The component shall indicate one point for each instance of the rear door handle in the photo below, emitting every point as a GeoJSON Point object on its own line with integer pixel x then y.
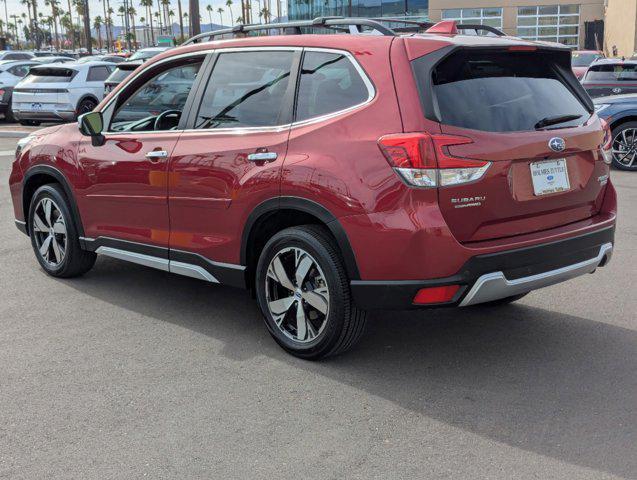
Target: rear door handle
{"type": "Point", "coordinates": [263, 157]}
{"type": "Point", "coordinates": [156, 155]}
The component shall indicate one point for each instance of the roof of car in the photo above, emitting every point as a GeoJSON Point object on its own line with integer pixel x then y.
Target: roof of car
{"type": "Point", "coordinates": [76, 66]}
{"type": "Point", "coordinates": [354, 42]}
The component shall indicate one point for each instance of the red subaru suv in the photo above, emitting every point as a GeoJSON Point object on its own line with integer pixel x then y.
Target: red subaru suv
{"type": "Point", "coordinates": [333, 174]}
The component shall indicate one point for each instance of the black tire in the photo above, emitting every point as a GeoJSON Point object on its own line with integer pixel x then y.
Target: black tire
{"type": "Point", "coordinates": [30, 123]}
{"type": "Point", "coordinates": [85, 106]}
{"type": "Point", "coordinates": [617, 131]}
{"type": "Point", "coordinates": [8, 115]}
{"type": "Point", "coordinates": [343, 324]}
{"type": "Point", "coordinates": [503, 301]}
{"type": "Point", "coordinates": [75, 260]}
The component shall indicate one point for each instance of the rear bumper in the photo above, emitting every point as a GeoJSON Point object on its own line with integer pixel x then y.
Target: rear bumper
{"type": "Point", "coordinates": [484, 278]}
{"type": "Point", "coordinates": [46, 115]}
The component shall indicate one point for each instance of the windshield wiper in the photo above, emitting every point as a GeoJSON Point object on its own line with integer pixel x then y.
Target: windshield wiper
{"type": "Point", "coordinates": [547, 121]}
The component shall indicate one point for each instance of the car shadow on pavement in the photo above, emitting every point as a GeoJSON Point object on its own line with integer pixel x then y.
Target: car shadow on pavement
{"type": "Point", "coordinates": [546, 382]}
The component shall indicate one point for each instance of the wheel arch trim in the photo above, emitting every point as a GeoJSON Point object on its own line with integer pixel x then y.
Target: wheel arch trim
{"type": "Point", "coordinates": [306, 206]}
{"type": "Point", "coordinates": [66, 186]}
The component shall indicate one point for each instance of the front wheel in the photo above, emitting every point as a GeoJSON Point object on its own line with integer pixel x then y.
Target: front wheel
{"type": "Point", "coordinates": [54, 235]}
{"type": "Point", "coordinates": [624, 147]}
{"type": "Point", "coordinates": [303, 292]}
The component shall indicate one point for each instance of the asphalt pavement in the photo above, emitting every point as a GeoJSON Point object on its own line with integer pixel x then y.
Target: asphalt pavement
{"type": "Point", "coordinates": [130, 372]}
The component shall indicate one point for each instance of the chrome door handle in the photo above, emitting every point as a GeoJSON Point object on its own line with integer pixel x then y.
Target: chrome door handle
{"type": "Point", "coordinates": [156, 155]}
{"type": "Point", "coordinates": [263, 157]}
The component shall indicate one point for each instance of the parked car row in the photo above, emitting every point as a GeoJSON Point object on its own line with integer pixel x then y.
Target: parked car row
{"type": "Point", "coordinates": [54, 88]}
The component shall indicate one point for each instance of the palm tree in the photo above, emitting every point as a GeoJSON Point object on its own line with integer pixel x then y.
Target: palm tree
{"type": "Point", "coordinates": [97, 25]}
{"type": "Point", "coordinates": [181, 21]}
{"type": "Point", "coordinates": [148, 5]}
{"type": "Point", "coordinates": [229, 5]}
{"type": "Point", "coordinates": [158, 15]}
{"type": "Point", "coordinates": [1, 27]}
{"type": "Point", "coordinates": [209, 9]}
{"type": "Point", "coordinates": [132, 12]}
{"type": "Point", "coordinates": [171, 16]}
{"type": "Point", "coordinates": [265, 13]}
{"type": "Point", "coordinates": [220, 12]}
{"type": "Point", "coordinates": [165, 4]}
{"type": "Point", "coordinates": [239, 19]}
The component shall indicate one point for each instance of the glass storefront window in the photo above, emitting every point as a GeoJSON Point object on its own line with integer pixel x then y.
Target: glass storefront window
{"type": "Point", "coordinates": [482, 16]}
{"type": "Point", "coordinates": [309, 9]}
{"type": "Point", "coordinates": [548, 18]}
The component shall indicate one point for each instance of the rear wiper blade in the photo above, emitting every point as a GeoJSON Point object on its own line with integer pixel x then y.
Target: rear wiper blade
{"type": "Point", "coordinates": [545, 122]}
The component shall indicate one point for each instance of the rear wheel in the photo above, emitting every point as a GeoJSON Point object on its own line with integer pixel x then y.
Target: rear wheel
{"type": "Point", "coordinates": [303, 293]}
{"type": "Point", "coordinates": [8, 115]}
{"type": "Point", "coordinates": [54, 235]}
{"type": "Point", "coordinates": [30, 123]}
{"type": "Point", "coordinates": [624, 146]}
{"type": "Point", "coordinates": [86, 105]}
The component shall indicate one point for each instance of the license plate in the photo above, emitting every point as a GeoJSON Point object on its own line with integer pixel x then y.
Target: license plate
{"type": "Point", "coordinates": [550, 176]}
{"type": "Point", "coordinates": [36, 106]}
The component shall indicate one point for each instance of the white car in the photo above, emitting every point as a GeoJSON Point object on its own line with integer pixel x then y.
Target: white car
{"type": "Point", "coordinates": [11, 72]}
{"type": "Point", "coordinates": [59, 92]}
{"type": "Point", "coordinates": [15, 55]}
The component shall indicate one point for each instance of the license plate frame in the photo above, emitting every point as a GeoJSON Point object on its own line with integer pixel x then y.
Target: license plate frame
{"type": "Point", "coordinates": [36, 106]}
{"type": "Point", "coordinates": [550, 176]}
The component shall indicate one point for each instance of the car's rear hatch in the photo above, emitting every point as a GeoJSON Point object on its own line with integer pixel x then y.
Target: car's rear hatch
{"type": "Point", "coordinates": [495, 101]}
{"type": "Point", "coordinates": [43, 88]}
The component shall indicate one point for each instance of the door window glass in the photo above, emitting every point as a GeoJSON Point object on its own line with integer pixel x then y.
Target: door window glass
{"type": "Point", "coordinates": [98, 74]}
{"type": "Point", "coordinates": [166, 91]}
{"type": "Point", "coordinates": [246, 89]}
{"type": "Point", "coordinates": [329, 83]}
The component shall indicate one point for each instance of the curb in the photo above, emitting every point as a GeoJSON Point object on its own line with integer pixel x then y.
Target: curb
{"type": "Point", "coordinates": [16, 134]}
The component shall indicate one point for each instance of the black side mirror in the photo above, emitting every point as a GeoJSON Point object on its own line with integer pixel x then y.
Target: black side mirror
{"type": "Point", "coordinates": [91, 125]}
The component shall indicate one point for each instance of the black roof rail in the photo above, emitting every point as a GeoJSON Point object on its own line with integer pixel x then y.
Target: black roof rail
{"type": "Point", "coordinates": [348, 25]}
{"type": "Point", "coordinates": [420, 26]}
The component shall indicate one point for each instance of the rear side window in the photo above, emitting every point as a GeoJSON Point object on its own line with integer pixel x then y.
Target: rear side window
{"type": "Point", "coordinates": [499, 92]}
{"type": "Point", "coordinates": [614, 72]}
{"type": "Point", "coordinates": [329, 83]}
{"type": "Point", "coordinates": [98, 74]}
{"type": "Point", "coordinates": [246, 89]}
{"type": "Point", "coordinates": [49, 75]}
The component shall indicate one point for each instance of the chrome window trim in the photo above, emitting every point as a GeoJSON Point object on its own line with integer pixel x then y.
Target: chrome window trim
{"type": "Point", "coordinates": [371, 92]}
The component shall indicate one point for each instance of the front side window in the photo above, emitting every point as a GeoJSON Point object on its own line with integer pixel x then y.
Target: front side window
{"type": "Point", "coordinates": [246, 89]}
{"type": "Point", "coordinates": [329, 83]}
{"type": "Point", "coordinates": [164, 94]}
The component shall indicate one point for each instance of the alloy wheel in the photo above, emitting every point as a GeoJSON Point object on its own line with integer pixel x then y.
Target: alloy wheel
{"type": "Point", "coordinates": [297, 294]}
{"type": "Point", "coordinates": [625, 147]}
{"type": "Point", "coordinates": [49, 228]}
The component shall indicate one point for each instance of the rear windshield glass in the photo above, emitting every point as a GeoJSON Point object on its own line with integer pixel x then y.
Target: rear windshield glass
{"type": "Point", "coordinates": [584, 59]}
{"type": "Point", "coordinates": [614, 72]}
{"type": "Point", "coordinates": [118, 75]}
{"type": "Point", "coordinates": [499, 92]}
{"type": "Point", "coordinates": [49, 75]}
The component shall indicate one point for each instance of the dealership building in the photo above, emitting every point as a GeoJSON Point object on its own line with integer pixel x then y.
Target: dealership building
{"type": "Point", "coordinates": [578, 24]}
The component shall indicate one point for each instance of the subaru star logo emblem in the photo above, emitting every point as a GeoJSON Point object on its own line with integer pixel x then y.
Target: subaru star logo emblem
{"type": "Point", "coordinates": [557, 144]}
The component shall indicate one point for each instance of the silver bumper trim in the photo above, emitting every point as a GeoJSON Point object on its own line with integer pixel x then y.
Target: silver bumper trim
{"type": "Point", "coordinates": [494, 286]}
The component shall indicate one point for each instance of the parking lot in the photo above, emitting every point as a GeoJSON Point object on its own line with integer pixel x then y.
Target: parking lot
{"type": "Point", "coordinates": [130, 372]}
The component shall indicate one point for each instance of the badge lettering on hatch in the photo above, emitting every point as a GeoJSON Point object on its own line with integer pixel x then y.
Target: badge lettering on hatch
{"type": "Point", "coordinates": [465, 202]}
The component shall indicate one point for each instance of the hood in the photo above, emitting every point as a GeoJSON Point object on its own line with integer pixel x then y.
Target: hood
{"type": "Point", "coordinates": [627, 98]}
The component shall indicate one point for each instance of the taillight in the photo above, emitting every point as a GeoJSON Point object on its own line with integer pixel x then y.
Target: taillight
{"type": "Point", "coordinates": [607, 143]}
{"type": "Point", "coordinates": [423, 160]}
